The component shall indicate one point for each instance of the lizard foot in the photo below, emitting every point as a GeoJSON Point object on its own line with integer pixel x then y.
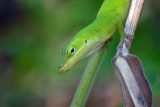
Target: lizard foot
{"type": "Point", "coordinates": [124, 40]}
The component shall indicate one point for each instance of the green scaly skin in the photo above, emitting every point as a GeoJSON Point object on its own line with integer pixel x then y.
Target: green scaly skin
{"type": "Point", "coordinates": [92, 37]}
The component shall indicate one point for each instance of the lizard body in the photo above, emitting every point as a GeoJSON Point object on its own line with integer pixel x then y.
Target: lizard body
{"type": "Point", "coordinates": [92, 37]}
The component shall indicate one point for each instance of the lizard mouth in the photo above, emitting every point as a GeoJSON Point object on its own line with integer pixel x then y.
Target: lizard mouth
{"type": "Point", "coordinates": [63, 70]}
{"type": "Point", "coordinates": [65, 67]}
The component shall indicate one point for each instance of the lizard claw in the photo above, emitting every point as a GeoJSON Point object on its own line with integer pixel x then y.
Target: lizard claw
{"type": "Point", "coordinates": [123, 40]}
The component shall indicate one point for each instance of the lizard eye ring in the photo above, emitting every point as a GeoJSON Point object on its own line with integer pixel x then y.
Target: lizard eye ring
{"type": "Point", "coordinates": [72, 50]}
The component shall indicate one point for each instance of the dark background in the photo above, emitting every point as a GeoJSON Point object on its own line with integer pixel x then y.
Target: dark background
{"type": "Point", "coordinates": [32, 35]}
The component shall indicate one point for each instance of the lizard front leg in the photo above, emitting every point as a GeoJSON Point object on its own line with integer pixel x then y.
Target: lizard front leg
{"type": "Point", "coordinates": [122, 35]}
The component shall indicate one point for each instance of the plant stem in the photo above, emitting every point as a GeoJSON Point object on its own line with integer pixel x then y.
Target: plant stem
{"type": "Point", "coordinates": [88, 78]}
{"type": "Point", "coordinates": [134, 86]}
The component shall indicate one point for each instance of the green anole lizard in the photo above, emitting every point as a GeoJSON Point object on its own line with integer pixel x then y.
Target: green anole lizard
{"type": "Point", "coordinates": [92, 37]}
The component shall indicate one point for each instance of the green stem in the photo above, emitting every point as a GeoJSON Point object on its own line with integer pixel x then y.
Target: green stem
{"type": "Point", "coordinates": [87, 79]}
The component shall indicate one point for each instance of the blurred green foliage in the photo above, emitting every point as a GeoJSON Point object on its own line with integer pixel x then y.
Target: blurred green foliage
{"type": "Point", "coordinates": [32, 35]}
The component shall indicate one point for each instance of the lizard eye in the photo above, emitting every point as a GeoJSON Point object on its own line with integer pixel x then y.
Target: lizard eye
{"type": "Point", "coordinates": [72, 50]}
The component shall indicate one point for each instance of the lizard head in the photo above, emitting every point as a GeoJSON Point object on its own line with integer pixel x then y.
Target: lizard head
{"type": "Point", "coordinates": [82, 45]}
{"type": "Point", "coordinates": [76, 50]}
{"type": "Point", "coordinates": [71, 54]}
